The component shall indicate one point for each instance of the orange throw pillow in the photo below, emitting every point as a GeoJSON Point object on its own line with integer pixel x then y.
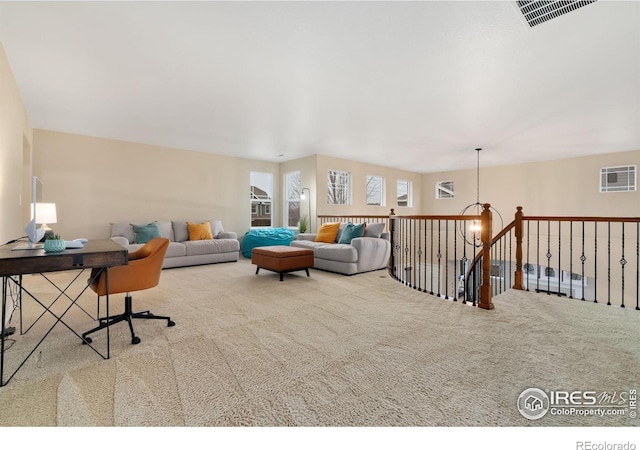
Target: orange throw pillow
{"type": "Point", "coordinates": [328, 233]}
{"type": "Point", "coordinates": [199, 231]}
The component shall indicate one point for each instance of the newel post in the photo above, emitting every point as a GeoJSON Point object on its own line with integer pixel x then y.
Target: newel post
{"type": "Point", "coordinates": [518, 232]}
{"type": "Point", "coordinates": [485, 235]}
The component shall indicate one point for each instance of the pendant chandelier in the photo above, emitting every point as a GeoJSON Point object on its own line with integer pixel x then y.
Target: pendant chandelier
{"type": "Point", "coordinates": [470, 230]}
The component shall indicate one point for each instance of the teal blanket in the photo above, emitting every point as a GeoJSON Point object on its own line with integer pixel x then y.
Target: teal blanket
{"type": "Point", "coordinates": [262, 237]}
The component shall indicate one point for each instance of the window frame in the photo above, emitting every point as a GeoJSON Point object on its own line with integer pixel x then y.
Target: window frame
{"type": "Point", "coordinates": [440, 188]}
{"type": "Point", "coordinates": [345, 186]}
{"type": "Point", "coordinates": [382, 190]}
{"type": "Point", "coordinates": [409, 193]}
{"type": "Point", "coordinates": [292, 195]}
{"type": "Point", "coordinates": [255, 201]}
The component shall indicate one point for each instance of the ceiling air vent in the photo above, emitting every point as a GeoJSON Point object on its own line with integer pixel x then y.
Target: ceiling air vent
{"type": "Point", "coordinates": [539, 11]}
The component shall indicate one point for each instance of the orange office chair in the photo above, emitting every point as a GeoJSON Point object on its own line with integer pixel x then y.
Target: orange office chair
{"type": "Point", "coordinates": [142, 272]}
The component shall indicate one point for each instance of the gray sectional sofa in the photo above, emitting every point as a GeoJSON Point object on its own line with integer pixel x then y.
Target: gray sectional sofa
{"type": "Point", "coordinates": [224, 247]}
{"type": "Point", "coordinates": [363, 254]}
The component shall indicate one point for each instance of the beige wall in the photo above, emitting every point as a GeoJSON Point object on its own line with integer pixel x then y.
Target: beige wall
{"type": "Point", "coordinates": [96, 181]}
{"type": "Point", "coordinates": [15, 156]}
{"type": "Point", "coordinates": [568, 187]}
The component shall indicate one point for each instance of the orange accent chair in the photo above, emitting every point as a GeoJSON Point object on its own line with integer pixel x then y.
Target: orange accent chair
{"type": "Point", "coordinates": [142, 272]}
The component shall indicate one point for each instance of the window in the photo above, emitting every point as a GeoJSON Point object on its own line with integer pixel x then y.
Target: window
{"type": "Point", "coordinates": [618, 179]}
{"type": "Point", "coordinates": [404, 193]}
{"type": "Point", "coordinates": [338, 187]}
{"type": "Point", "coordinates": [292, 198]}
{"type": "Point", "coordinates": [444, 189]}
{"type": "Point", "coordinates": [375, 190]}
{"type": "Point", "coordinates": [261, 190]}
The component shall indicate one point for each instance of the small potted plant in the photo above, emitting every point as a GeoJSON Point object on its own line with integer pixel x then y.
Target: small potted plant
{"type": "Point", "coordinates": [304, 224]}
{"type": "Point", "coordinates": [55, 244]}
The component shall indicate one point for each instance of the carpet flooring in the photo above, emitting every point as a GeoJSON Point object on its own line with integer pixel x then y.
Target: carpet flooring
{"type": "Point", "coordinates": [326, 350]}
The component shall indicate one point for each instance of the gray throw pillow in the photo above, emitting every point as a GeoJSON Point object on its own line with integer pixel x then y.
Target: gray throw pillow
{"type": "Point", "coordinates": [374, 229]}
{"type": "Point", "coordinates": [216, 227]}
{"type": "Point", "coordinates": [340, 230]}
{"type": "Point", "coordinates": [180, 232]}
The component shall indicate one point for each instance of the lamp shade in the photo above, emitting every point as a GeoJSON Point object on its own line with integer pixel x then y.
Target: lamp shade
{"type": "Point", "coordinates": [45, 213]}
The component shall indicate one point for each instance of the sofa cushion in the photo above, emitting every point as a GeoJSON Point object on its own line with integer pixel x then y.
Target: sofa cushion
{"type": "Point", "coordinates": [374, 229]}
{"type": "Point", "coordinates": [328, 232]}
{"type": "Point", "coordinates": [309, 244]}
{"type": "Point", "coordinates": [176, 249]}
{"type": "Point", "coordinates": [144, 233]}
{"type": "Point", "coordinates": [337, 252]}
{"type": "Point", "coordinates": [351, 231]}
{"type": "Point", "coordinates": [209, 246]}
{"type": "Point", "coordinates": [199, 231]}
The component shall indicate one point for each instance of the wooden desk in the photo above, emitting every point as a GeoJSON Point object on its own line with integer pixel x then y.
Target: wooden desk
{"type": "Point", "coordinates": [100, 254]}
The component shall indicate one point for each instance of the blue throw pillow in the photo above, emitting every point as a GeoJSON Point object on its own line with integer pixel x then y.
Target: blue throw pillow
{"type": "Point", "coordinates": [144, 233]}
{"type": "Point", "coordinates": [351, 231]}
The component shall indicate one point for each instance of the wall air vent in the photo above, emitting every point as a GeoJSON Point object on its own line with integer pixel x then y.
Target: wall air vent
{"type": "Point", "coordinates": [540, 11]}
{"type": "Point", "coordinates": [618, 179]}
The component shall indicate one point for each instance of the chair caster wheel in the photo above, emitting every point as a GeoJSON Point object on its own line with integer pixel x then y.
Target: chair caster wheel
{"type": "Point", "coordinates": [86, 341]}
{"type": "Point", "coordinates": [135, 340]}
{"type": "Point", "coordinates": [170, 323]}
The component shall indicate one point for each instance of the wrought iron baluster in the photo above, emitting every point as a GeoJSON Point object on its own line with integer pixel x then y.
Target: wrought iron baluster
{"type": "Point", "coordinates": [623, 263]}
{"type": "Point", "coordinates": [608, 263]}
{"type": "Point", "coordinates": [595, 262]}
{"type": "Point", "coordinates": [528, 249]}
{"type": "Point", "coordinates": [638, 266]}
{"type": "Point", "coordinates": [538, 256]}
{"type": "Point", "coordinates": [571, 259]}
{"type": "Point", "coordinates": [419, 263]}
{"type": "Point", "coordinates": [465, 273]}
{"type": "Point", "coordinates": [549, 255]}
{"type": "Point", "coordinates": [446, 259]}
{"type": "Point", "coordinates": [559, 257]}
{"type": "Point", "coordinates": [510, 272]}
{"type": "Point", "coordinates": [583, 258]}
{"type": "Point", "coordinates": [425, 255]}
{"type": "Point", "coordinates": [456, 276]}
{"type": "Point", "coordinates": [439, 256]}
{"type": "Point", "coordinates": [432, 259]}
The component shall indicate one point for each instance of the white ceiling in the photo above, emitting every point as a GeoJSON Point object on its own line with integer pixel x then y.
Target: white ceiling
{"type": "Point", "coordinates": [411, 85]}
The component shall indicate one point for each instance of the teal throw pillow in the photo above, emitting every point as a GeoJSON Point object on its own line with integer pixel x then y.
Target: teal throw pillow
{"type": "Point", "coordinates": [351, 231]}
{"type": "Point", "coordinates": [144, 233]}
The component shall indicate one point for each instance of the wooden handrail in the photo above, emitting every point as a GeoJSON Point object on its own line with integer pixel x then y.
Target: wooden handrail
{"type": "Point", "coordinates": [581, 218]}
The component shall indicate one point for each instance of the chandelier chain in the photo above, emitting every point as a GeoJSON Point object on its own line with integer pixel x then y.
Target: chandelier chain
{"type": "Point", "coordinates": [478, 176]}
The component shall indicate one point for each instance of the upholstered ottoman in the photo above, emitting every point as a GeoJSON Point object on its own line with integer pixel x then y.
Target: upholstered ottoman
{"type": "Point", "coordinates": [282, 259]}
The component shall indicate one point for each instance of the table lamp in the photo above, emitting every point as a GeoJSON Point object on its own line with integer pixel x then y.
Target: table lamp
{"type": "Point", "coordinates": [46, 214]}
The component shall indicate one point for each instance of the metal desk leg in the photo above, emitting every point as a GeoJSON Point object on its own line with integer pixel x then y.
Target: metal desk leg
{"type": "Point", "coordinates": [4, 307]}
{"type": "Point", "coordinates": [106, 278]}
